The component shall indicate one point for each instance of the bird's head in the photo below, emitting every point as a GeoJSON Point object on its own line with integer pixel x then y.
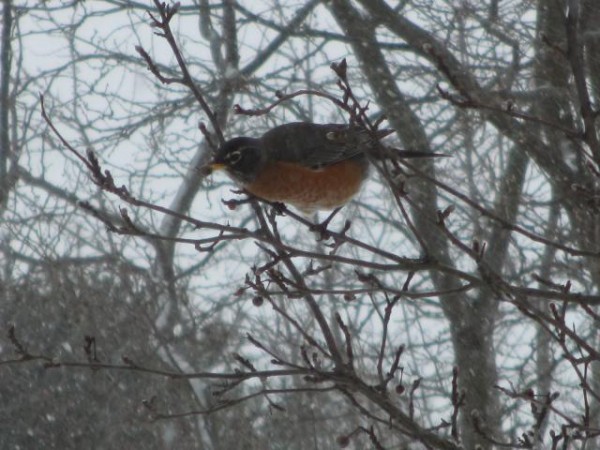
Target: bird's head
{"type": "Point", "coordinates": [241, 157]}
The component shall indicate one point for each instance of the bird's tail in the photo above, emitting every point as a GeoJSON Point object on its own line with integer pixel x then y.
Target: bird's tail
{"type": "Point", "coordinates": [405, 154]}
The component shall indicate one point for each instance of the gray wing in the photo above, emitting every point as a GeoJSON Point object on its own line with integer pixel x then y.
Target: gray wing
{"type": "Point", "coordinates": [315, 145]}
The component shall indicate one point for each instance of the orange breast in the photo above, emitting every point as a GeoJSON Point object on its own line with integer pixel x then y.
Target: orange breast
{"type": "Point", "coordinates": [309, 189]}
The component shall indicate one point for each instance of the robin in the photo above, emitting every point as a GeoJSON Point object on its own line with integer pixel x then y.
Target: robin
{"type": "Point", "coordinates": [310, 166]}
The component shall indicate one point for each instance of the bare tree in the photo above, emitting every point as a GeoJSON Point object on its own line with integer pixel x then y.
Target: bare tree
{"type": "Point", "coordinates": [452, 303]}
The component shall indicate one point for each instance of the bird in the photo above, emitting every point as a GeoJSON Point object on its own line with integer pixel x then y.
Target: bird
{"type": "Point", "coordinates": [307, 165]}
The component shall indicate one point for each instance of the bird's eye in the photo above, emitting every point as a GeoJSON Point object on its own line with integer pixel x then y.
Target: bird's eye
{"type": "Point", "coordinates": [234, 157]}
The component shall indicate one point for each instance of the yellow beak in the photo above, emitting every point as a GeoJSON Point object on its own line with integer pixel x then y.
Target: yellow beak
{"type": "Point", "coordinates": [217, 166]}
{"type": "Point", "coordinates": [210, 168]}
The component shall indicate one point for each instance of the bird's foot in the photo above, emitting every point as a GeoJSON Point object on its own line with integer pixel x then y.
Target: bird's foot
{"type": "Point", "coordinates": [279, 208]}
{"type": "Point", "coordinates": [321, 228]}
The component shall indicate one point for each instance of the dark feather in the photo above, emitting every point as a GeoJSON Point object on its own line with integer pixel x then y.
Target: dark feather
{"type": "Point", "coordinates": [317, 145]}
